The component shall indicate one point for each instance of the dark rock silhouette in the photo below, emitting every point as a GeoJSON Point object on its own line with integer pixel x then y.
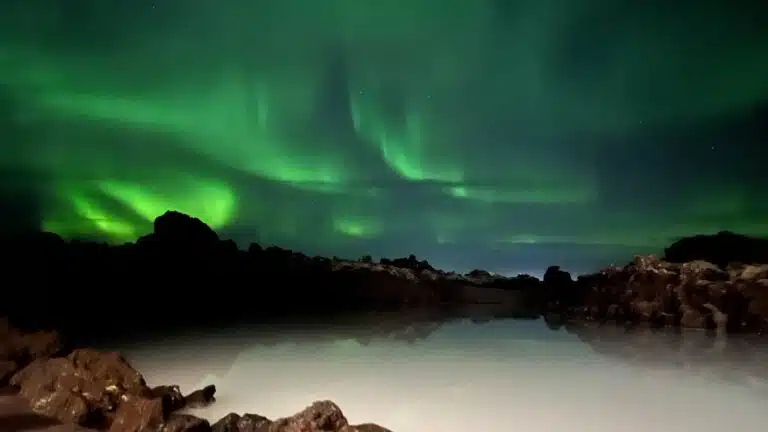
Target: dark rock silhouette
{"type": "Point", "coordinates": [178, 229]}
{"type": "Point", "coordinates": [183, 275]}
{"type": "Point", "coordinates": [719, 249]}
{"type": "Point", "coordinates": [559, 288]}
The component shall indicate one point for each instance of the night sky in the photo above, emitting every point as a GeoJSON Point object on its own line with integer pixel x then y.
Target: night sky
{"type": "Point", "coordinates": [500, 134]}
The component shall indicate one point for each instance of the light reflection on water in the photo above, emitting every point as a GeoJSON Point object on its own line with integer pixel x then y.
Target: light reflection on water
{"type": "Point", "coordinates": [496, 376]}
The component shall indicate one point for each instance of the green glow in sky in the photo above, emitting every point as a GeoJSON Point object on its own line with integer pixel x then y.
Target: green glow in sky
{"type": "Point", "coordinates": [346, 120]}
{"type": "Point", "coordinates": [124, 211]}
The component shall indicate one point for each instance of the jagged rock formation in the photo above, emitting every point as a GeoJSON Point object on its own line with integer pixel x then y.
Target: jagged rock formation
{"type": "Point", "coordinates": [92, 390]}
{"type": "Point", "coordinates": [694, 294]}
{"type": "Point", "coordinates": [184, 266]}
{"type": "Point", "coordinates": [167, 277]}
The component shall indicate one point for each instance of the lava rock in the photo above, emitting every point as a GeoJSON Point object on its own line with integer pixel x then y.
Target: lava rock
{"type": "Point", "coordinates": [242, 423]}
{"type": "Point", "coordinates": [201, 397]}
{"type": "Point", "coordinates": [101, 391]}
{"type": "Point", "coordinates": [171, 396]}
{"type": "Point", "coordinates": [367, 427]}
{"type": "Point", "coordinates": [320, 416]}
{"type": "Point", "coordinates": [695, 294]}
{"type": "Point", "coordinates": [138, 414]}
{"type": "Point", "coordinates": [85, 387]}
{"type": "Point", "coordinates": [18, 349]}
{"type": "Point", "coordinates": [185, 423]}
{"type": "Point", "coordinates": [7, 369]}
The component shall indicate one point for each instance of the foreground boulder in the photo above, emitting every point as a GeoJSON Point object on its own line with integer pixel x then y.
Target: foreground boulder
{"type": "Point", "coordinates": [321, 416]}
{"type": "Point", "coordinates": [85, 387]}
{"type": "Point", "coordinates": [101, 391]}
{"type": "Point", "coordinates": [140, 414]}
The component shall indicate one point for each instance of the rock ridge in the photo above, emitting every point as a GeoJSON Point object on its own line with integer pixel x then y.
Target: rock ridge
{"type": "Point", "coordinates": [706, 282]}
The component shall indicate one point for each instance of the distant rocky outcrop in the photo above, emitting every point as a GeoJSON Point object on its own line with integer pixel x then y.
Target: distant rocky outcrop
{"type": "Point", "coordinates": [695, 294]}
{"type": "Point", "coordinates": [93, 390]}
{"type": "Point", "coordinates": [720, 249]}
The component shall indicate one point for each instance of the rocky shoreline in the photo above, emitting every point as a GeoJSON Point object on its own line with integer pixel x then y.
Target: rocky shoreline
{"type": "Point", "coordinates": [714, 282]}
{"type": "Point", "coordinates": [656, 293]}
{"type": "Point", "coordinates": [46, 388]}
{"type": "Point", "coordinates": [708, 282]}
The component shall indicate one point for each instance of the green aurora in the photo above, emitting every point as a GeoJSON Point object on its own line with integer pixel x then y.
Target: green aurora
{"type": "Point", "coordinates": [365, 122]}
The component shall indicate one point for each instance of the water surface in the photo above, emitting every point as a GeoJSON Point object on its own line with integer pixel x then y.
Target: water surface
{"type": "Point", "coordinates": [462, 375]}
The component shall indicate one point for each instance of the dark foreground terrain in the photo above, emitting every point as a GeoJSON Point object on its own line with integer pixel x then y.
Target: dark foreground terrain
{"type": "Point", "coordinates": [182, 276]}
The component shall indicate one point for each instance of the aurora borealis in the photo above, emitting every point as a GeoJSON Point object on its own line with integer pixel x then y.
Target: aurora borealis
{"type": "Point", "coordinates": [486, 133]}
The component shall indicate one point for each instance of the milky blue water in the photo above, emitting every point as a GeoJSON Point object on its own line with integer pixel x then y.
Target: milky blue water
{"type": "Point", "coordinates": [498, 376]}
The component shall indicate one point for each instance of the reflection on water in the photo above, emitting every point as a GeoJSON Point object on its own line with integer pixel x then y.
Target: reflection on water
{"type": "Point", "coordinates": [461, 375]}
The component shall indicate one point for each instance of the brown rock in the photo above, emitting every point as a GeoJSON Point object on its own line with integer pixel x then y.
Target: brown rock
{"type": "Point", "coordinates": [16, 415]}
{"type": "Point", "coordinates": [320, 416]}
{"type": "Point", "coordinates": [17, 349]}
{"type": "Point", "coordinates": [56, 386]}
{"type": "Point", "coordinates": [702, 270]}
{"type": "Point", "coordinates": [758, 308]}
{"type": "Point", "coordinates": [246, 423]}
{"type": "Point", "coordinates": [366, 427]}
{"type": "Point", "coordinates": [138, 414]}
{"type": "Point", "coordinates": [101, 390]}
{"type": "Point", "coordinates": [201, 397]}
{"type": "Point", "coordinates": [7, 369]}
{"type": "Point", "coordinates": [185, 423]}
{"type": "Point", "coordinates": [38, 379]}
{"type": "Point", "coordinates": [39, 344]}
{"type": "Point", "coordinates": [171, 396]}
{"type": "Point", "coordinates": [691, 318]}
{"type": "Point", "coordinates": [67, 407]}
{"type": "Point", "coordinates": [752, 272]}
{"type": "Point", "coordinates": [694, 294]}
